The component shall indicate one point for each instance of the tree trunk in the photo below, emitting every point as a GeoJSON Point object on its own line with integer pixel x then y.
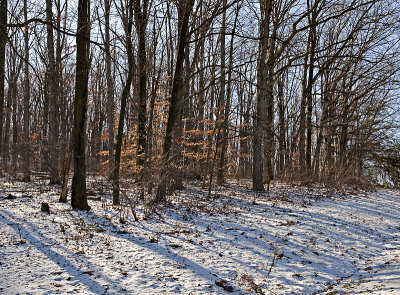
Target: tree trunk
{"type": "Point", "coordinates": [110, 89]}
{"type": "Point", "coordinates": [311, 50]}
{"type": "Point", "coordinates": [79, 197]}
{"type": "Point", "coordinates": [61, 107]}
{"type": "Point", "coordinates": [184, 11]}
{"type": "Point", "coordinates": [325, 100]}
{"type": "Point", "coordinates": [45, 142]}
{"type": "Point", "coordinates": [65, 174]}
{"type": "Point", "coordinates": [11, 94]}
{"type": "Point", "coordinates": [141, 19]}
{"type": "Point", "coordinates": [26, 173]}
{"type": "Point", "coordinates": [154, 88]}
{"type": "Point", "coordinates": [225, 123]}
{"type": "Point", "coordinates": [281, 125]}
{"type": "Point", "coordinates": [5, 148]}
{"type": "Point", "coordinates": [14, 135]}
{"type": "Point", "coordinates": [302, 127]}
{"type": "Point", "coordinates": [261, 107]}
{"type": "Point", "coordinates": [53, 100]}
{"type": "Point", "coordinates": [222, 112]}
{"type": "Point", "coordinates": [125, 94]}
{"type": "Point", "coordinates": [3, 41]}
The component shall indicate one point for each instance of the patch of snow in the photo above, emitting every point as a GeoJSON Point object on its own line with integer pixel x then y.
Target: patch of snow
{"type": "Point", "coordinates": [291, 240]}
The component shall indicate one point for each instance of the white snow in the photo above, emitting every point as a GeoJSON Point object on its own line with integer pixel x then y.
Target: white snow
{"type": "Point", "coordinates": [292, 240]}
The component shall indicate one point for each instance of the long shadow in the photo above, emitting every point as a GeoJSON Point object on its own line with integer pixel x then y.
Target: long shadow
{"type": "Point", "coordinates": [322, 221]}
{"type": "Point", "coordinates": [58, 259]}
{"type": "Point", "coordinates": [207, 274]}
{"type": "Point", "coordinates": [331, 225]}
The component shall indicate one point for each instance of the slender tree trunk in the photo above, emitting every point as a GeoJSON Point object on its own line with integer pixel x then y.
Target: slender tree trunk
{"type": "Point", "coordinates": [225, 123]}
{"type": "Point", "coordinates": [344, 126]}
{"type": "Point", "coordinates": [312, 48]}
{"type": "Point", "coordinates": [11, 94]}
{"type": "Point", "coordinates": [26, 173]}
{"type": "Point", "coordinates": [154, 88]}
{"type": "Point", "coordinates": [302, 128]}
{"type": "Point", "coordinates": [6, 141]}
{"type": "Point", "coordinates": [3, 41]}
{"type": "Point", "coordinates": [61, 107]}
{"type": "Point", "coordinates": [45, 141]}
{"type": "Point", "coordinates": [98, 121]}
{"type": "Point", "coordinates": [210, 137]}
{"type": "Point", "coordinates": [322, 122]}
{"type": "Point", "coordinates": [222, 112]}
{"type": "Point", "coordinates": [53, 100]}
{"type": "Point", "coordinates": [184, 10]}
{"type": "Point", "coordinates": [15, 136]}
{"type": "Point", "coordinates": [200, 119]}
{"type": "Point", "coordinates": [124, 97]}
{"type": "Point", "coordinates": [281, 125]}
{"type": "Point", "coordinates": [79, 197]}
{"type": "Point", "coordinates": [110, 89]}
{"type": "Point", "coordinates": [65, 174]}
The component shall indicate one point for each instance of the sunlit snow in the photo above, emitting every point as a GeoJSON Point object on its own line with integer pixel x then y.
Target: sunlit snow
{"type": "Point", "coordinates": [291, 240]}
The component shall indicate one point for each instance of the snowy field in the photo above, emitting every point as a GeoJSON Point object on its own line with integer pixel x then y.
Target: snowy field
{"type": "Point", "coordinates": [292, 240]}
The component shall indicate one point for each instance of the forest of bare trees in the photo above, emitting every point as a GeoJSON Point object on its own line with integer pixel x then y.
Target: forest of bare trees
{"type": "Point", "coordinates": [161, 91]}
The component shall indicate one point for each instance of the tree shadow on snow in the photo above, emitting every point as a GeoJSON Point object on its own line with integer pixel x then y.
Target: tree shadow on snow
{"type": "Point", "coordinates": [43, 245]}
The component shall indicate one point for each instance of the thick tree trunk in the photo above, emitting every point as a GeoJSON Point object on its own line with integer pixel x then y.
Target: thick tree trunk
{"type": "Point", "coordinates": [262, 95]}
{"type": "Point", "coordinates": [79, 197]}
{"type": "Point", "coordinates": [141, 19]}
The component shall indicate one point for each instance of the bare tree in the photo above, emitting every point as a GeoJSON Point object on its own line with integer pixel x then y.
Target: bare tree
{"type": "Point", "coordinates": [184, 11]}
{"type": "Point", "coordinates": [141, 20]}
{"type": "Point", "coordinates": [3, 41]}
{"type": "Point", "coordinates": [128, 25]}
{"type": "Point", "coordinates": [26, 173]}
{"type": "Point", "coordinates": [79, 197]}
{"type": "Point", "coordinates": [53, 99]}
{"type": "Point", "coordinates": [110, 88]}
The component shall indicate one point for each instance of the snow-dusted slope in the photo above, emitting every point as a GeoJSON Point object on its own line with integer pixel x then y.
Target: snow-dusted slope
{"type": "Point", "coordinates": [289, 241]}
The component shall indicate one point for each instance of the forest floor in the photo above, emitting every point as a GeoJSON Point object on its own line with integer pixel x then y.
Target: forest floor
{"type": "Point", "coordinates": [291, 240]}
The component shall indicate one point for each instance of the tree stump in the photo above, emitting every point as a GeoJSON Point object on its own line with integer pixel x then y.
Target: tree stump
{"type": "Point", "coordinates": [45, 208]}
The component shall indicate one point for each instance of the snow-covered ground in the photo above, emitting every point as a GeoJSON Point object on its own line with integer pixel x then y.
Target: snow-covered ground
{"type": "Point", "coordinates": [292, 240]}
